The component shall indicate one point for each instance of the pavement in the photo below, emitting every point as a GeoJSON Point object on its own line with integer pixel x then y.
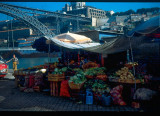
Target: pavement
{"type": "Point", "coordinates": [12, 99]}
{"type": "Point", "coordinates": [9, 74]}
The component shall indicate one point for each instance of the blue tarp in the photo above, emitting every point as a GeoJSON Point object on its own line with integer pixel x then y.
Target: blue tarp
{"type": "Point", "coordinates": [150, 26]}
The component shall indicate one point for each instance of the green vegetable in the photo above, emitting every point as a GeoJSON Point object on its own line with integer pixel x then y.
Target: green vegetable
{"type": "Point", "coordinates": [95, 71]}
{"type": "Point", "coordinates": [64, 69]}
{"type": "Point", "coordinates": [78, 78]}
{"type": "Point", "coordinates": [57, 71]}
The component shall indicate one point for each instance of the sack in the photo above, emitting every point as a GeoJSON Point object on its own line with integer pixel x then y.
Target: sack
{"type": "Point", "coordinates": [31, 81]}
{"type": "Point", "coordinates": [144, 94]}
{"type": "Point", "coordinates": [116, 95]}
{"type": "Point", "coordinates": [64, 90]}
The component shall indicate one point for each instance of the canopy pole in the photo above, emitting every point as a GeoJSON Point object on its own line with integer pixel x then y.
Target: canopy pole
{"type": "Point", "coordinates": [49, 53]}
{"type": "Point", "coordinates": [128, 56]}
{"type": "Point", "coordinates": [78, 55]}
{"type": "Point", "coordinates": [102, 60]}
{"type": "Point", "coordinates": [132, 61]}
{"type": "Point", "coordinates": [8, 31]}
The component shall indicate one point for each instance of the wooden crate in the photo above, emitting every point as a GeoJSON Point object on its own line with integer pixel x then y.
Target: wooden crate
{"type": "Point", "coordinates": [56, 77]}
{"type": "Point", "coordinates": [55, 80]}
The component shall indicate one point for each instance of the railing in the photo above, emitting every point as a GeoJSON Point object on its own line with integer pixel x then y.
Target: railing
{"type": "Point", "coordinates": [31, 21]}
{"type": "Point", "coordinates": [15, 48]}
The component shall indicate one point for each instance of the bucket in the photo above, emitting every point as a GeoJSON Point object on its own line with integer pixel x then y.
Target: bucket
{"type": "Point", "coordinates": [106, 100]}
{"type": "Point", "coordinates": [89, 97]}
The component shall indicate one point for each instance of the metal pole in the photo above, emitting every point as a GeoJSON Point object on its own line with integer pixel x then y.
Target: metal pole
{"type": "Point", "coordinates": [12, 35]}
{"type": "Point", "coordinates": [8, 31]}
{"type": "Point", "coordinates": [49, 52]}
{"type": "Point", "coordinates": [58, 26]}
{"type": "Point", "coordinates": [132, 60]}
{"type": "Point", "coordinates": [128, 57]}
{"type": "Point", "coordinates": [77, 24]}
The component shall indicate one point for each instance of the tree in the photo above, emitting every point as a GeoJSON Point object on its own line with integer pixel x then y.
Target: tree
{"type": "Point", "coordinates": [108, 14]}
{"type": "Point", "coordinates": [124, 13]}
{"type": "Point", "coordinates": [130, 12]}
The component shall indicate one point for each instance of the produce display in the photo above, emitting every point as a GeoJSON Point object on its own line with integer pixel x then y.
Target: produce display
{"type": "Point", "coordinates": [88, 77]}
{"type": "Point", "coordinates": [125, 75]}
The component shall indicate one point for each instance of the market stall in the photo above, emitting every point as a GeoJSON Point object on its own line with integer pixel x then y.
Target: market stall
{"type": "Point", "coordinates": [85, 80]}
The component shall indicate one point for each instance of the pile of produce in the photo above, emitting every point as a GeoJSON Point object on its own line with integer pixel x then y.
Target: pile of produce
{"type": "Point", "coordinates": [89, 65]}
{"type": "Point", "coordinates": [36, 67]}
{"type": "Point", "coordinates": [77, 81]}
{"type": "Point", "coordinates": [97, 86]}
{"type": "Point", "coordinates": [90, 73]}
{"type": "Point", "coordinates": [78, 71]}
{"type": "Point", "coordinates": [59, 71]}
{"type": "Point", "coordinates": [97, 72]}
{"type": "Point", "coordinates": [124, 74]}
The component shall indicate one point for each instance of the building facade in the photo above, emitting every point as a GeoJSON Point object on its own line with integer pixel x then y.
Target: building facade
{"type": "Point", "coordinates": [80, 8]}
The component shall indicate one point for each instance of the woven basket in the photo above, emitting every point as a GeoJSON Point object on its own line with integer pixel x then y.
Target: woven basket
{"type": "Point", "coordinates": [75, 86]}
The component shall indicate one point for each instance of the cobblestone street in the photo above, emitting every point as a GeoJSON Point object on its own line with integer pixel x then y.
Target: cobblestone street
{"type": "Point", "coordinates": [12, 99]}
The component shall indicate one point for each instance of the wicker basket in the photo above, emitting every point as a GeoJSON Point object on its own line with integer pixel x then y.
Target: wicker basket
{"type": "Point", "coordinates": [56, 77]}
{"type": "Point", "coordinates": [75, 86]}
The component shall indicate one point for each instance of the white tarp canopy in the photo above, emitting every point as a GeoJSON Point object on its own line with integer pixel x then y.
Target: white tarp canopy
{"type": "Point", "coordinates": [117, 44]}
{"type": "Point", "coordinates": [73, 38]}
{"type": "Point", "coordinates": [79, 43]}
